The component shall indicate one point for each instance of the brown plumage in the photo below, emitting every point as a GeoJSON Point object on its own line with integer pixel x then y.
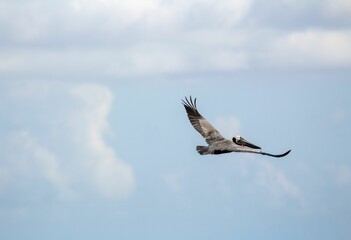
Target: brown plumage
{"type": "Point", "coordinates": [217, 144]}
{"type": "Point", "coordinates": [210, 134]}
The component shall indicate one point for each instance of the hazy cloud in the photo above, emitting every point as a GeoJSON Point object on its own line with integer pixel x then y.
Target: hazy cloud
{"type": "Point", "coordinates": [43, 163]}
{"type": "Point", "coordinates": [262, 177]}
{"type": "Point", "coordinates": [227, 126]}
{"type": "Point", "coordinates": [56, 134]}
{"type": "Point", "coordinates": [277, 183]}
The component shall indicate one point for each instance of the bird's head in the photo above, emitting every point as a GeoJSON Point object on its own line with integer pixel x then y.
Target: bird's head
{"type": "Point", "coordinates": [236, 138]}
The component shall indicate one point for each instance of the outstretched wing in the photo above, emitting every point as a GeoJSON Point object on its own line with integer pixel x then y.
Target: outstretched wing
{"type": "Point", "coordinates": [200, 123]}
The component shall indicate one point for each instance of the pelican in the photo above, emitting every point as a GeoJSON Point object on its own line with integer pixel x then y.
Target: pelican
{"type": "Point", "coordinates": [217, 144]}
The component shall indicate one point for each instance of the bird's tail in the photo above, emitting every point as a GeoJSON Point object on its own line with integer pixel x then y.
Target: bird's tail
{"type": "Point", "coordinates": [202, 150]}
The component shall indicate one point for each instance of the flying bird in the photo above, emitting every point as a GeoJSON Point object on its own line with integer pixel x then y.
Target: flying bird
{"type": "Point", "coordinates": [217, 144]}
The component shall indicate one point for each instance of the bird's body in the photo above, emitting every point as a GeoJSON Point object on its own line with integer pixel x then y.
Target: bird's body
{"type": "Point", "coordinates": [224, 146]}
{"type": "Point", "coordinates": [217, 144]}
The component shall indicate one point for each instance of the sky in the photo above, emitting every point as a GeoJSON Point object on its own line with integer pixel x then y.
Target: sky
{"type": "Point", "coordinates": [95, 142]}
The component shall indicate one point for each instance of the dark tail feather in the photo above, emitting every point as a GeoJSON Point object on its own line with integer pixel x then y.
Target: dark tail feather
{"type": "Point", "coordinates": [277, 156]}
{"type": "Point", "coordinates": [202, 150]}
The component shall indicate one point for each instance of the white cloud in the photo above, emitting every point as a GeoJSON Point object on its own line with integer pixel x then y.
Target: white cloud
{"type": "Point", "coordinates": [119, 38]}
{"type": "Point", "coordinates": [160, 12]}
{"type": "Point", "coordinates": [338, 7]}
{"type": "Point", "coordinates": [69, 151]}
{"type": "Point", "coordinates": [311, 48]}
{"type": "Point", "coordinates": [153, 56]}
{"type": "Point", "coordinates": [262, 177]}
{"type": "Point", "coordinates": [110, 175]}
{"type": "Point", "coordinates": [227, 126]}
{"type": "Point", "coordinates": [126, 12]}
{"type": "Point", "coordinates": [109, 38]}
{"type": "Point", "coordinates": [46, 164]}
{"type": "Point", "coordinates": [276, 182]}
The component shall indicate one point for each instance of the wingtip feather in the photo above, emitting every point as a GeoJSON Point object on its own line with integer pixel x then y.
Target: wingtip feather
{"type": "Point", "coordinates": [189, 102]}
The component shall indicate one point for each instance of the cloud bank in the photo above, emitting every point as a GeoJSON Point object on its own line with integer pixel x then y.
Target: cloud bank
{"type": "Point", "coordinates": [108, 38]}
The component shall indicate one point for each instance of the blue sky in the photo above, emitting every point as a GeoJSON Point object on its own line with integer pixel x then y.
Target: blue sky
{"type": "Point", "coordinates": [96, 144]}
